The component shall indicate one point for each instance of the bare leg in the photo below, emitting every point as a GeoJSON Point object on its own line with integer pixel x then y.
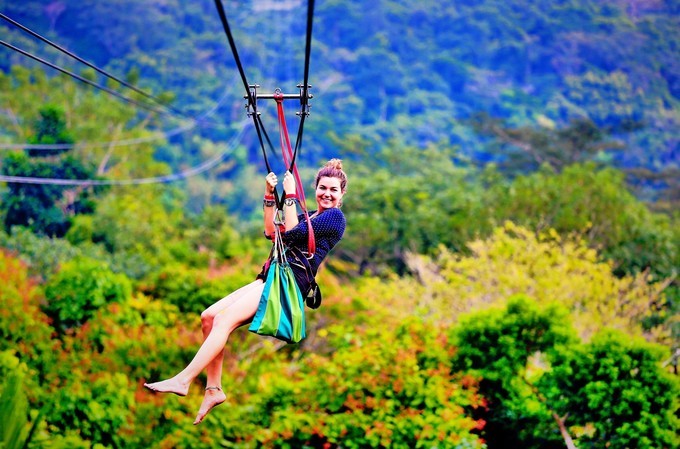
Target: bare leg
{"type": "Point", "coordinates": [236, 314]}
{"type": "Point", "coordinates": [214, 369]}
{"type": "Point", "coordinates": [214, 395]}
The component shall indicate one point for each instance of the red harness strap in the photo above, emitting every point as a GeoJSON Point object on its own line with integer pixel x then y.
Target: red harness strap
{"type": "Point", "coordinates": [288, 157]}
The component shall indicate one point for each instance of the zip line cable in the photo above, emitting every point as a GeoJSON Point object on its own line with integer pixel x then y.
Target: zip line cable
{"type": "Point", "coordinates": [117, 143]}
{"type": "Point", "coordinates": [259, 126]}
{"type": "Point", "coordinates": [232, 44]}
{"type": "Point", "coordinates": [308, 48]}
{"type": "Point", "coordinates": [91, 182]}
{"type": "Point", "coordinates": [102, 71]}
{"type": "Point", "coordinates": [305, 99]}
{"type": "Point", "coordinates": [203, 167]}
{"type": "Point", "coordinates": [283, 132]}
{"type": "Point", "coordinates": [85, 80]}
{"type": "Point", "coordinates": [196, 121]}
{"type": "Point", "coordinates": [257, 121]}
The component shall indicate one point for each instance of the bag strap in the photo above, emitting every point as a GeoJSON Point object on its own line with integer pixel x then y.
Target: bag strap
{"type": "Point", "coordinates": [289, 160]}
{"type": "Point", "coordinates": [313, 298]}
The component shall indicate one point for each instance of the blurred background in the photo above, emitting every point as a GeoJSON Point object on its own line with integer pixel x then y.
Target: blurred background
{"type": "Point", "coordinates": [508, 276]}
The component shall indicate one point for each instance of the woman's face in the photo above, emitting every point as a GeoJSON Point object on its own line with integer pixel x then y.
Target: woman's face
{"type": "Point", "coordinates": [328, 193]}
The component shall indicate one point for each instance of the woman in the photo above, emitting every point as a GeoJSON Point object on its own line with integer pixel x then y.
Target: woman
{"type": "Point", "coordinates": [222, 318]}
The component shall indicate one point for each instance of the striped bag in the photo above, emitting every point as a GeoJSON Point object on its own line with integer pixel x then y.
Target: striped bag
{"type": "Point", "coordinates": [281, 312]}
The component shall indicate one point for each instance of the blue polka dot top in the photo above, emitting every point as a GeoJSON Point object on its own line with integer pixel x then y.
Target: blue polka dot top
{"type": "Point", "coordinates": [329, 227]}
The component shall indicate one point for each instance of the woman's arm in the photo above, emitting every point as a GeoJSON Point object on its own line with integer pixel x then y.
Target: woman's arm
{"type": "Point", "coordinates": [269, 206]}
{"type": "Point", "coordinates": [290, 216]}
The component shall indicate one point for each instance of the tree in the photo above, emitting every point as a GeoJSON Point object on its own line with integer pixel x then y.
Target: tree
{"type": "Point", "coordinates": [596, 203]}
{"type": "Point", "coordinates": [98, 407]}
{"type": "Point", "coordinates": [526, 148]}
{"type": "Point", "coordinates": [50, 129]}
{"type": "Point", "coordinates": [547, 267]}
{"type": "Point", "coordinates": [45, 208]}
{"type": "Point", "coordinates": [409, 200]}
{"type": "Point", "coordinates": [615, 388]}
{"type": "Point", "coordinates": [24, 328]}
{"type": "Point", "coordinates": [79, 289]}
{"type": "Point", "coordinates": [506, 346]}
{"type": "Point", "coordinates": [610, 392]}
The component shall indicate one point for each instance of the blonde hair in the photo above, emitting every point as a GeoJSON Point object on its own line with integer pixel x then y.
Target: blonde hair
{"type": "Point", "coordinates": [332, 169]}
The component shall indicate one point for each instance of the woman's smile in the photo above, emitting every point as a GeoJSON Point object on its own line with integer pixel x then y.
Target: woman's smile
{"type": "Point", "coordinates": [328, 193]}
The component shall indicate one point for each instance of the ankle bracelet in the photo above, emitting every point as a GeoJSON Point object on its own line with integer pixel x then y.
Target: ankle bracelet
{"type": "Point", "coordinates": [213, 388]}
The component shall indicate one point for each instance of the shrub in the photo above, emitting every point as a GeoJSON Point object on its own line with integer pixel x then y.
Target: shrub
{"type": "Point", "coordinates": [80, 288]}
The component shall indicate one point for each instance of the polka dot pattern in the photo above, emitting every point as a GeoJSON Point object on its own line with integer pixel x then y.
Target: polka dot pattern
{"type": "Point", "coordinates": [329, 227]}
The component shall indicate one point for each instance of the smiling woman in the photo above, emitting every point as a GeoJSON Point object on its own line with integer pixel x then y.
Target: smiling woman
{"type": "Point", "coordinates": [240, 307]}
{"type": "Point", "coordinates": [328, 225]}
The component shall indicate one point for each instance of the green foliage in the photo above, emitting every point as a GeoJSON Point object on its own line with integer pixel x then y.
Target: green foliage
{"type": "Point", "coordinates": [43, 254]}
{"type": "Point", "coordinates": [616, 390]}
{"type": "Point", "coordinates": [514, 260]}
{"type": "Point", "coordinates": [24, 329]}
{"type": "Point", "coordinates": [19, 421]}
{"type": "Point", "coordinates": [409, 200]}
{"type": "Point", "coordinates": [98, 408]}
{"type": "Point", "coordinates": [505, 346]}
{"type": "Point", "coordinates": [50, 128]}
{"type": "Point", "coordinates": [610, 392]}
{"type": "Point", "coordinates": [148, 339]}
{"type": "Point", "coordinates": [526, 148]}
{"type": "Point", "coordinates": [210, 237]}
{"type": "Point", "coordinates": [80, 288]}
{"type": "Point", "coordinates": [46, 209]}
{"type": "Point", "coordinates": [498, 341]}
{"type": "Point", "coordinates": [138, 225]}
{"type": "Point", "coordinates": [594, 203]}
{"type": "Point", "coordinates": [13, 413]}
{"type": "Point", "coordinates": [193, 290]}
{"type": "Point", "coordinates": [609, 97]}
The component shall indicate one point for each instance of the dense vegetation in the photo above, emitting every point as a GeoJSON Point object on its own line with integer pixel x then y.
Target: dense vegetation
{"type": "Point", "coordinates": [508, 275]}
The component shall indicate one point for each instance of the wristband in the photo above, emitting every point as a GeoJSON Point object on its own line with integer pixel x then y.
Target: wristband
{"type": "Point", "coordinates": [268, 196]}
{"type": "Point", "coordinates": [291, 195]}
{"type": "Point", "coordinates": [268, 202]}
{"type": "Point", "coordinates": [290, 201]}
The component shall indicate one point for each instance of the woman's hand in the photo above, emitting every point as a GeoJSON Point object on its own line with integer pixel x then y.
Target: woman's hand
{"type": "Point", "coordinates": [270, 186]}
{"type": "Point", "coordinates": [289, 183]}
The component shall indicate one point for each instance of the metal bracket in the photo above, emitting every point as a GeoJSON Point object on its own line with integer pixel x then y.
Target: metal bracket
{"type": "Point", "coordinates": [304, 103]}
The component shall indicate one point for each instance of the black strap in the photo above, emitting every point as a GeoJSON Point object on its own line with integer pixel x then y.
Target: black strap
{"type": "Point", "coordinates": [257, 121]}
{"type": "Point", "coordinates": [313, 296]}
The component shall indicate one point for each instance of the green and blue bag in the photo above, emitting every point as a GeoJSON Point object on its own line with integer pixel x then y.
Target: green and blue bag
{"type": "Point", "coordinates": [281, 312]}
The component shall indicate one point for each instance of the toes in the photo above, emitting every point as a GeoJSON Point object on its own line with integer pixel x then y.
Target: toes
{"type": "Point", "coordinates": [206, 407]}
{"type": "Point", "coordinates": [200, 416]}
{"type": "Point", "coordinates": [199, 419]}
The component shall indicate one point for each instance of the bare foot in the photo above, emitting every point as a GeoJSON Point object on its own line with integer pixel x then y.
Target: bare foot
{"type": "Point", "coordinates": [214, 396]}
{"type": "Point", "coordinates": [171, 385]}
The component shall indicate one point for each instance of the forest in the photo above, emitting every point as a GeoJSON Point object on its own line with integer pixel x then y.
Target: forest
{"type": "Point", "coordinates": [508, 277]}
